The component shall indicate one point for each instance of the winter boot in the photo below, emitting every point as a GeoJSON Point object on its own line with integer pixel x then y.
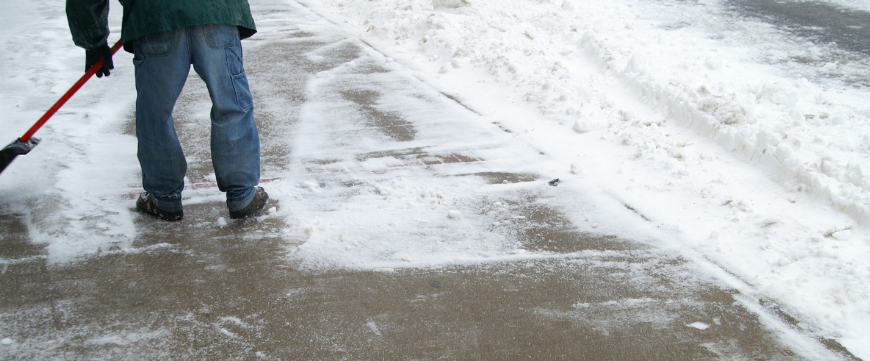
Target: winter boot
{"type": "Point", "coordinates": [255, 207]}
{"type": "Point", "coordinates": [146, 204]}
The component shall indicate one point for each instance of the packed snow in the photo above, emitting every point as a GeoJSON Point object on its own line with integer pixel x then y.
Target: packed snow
{"type": "Point", "coordinates": [737, 143]}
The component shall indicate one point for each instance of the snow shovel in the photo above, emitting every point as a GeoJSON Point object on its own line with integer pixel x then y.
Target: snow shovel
{"type": "Point", "coordinates": [24, 144]}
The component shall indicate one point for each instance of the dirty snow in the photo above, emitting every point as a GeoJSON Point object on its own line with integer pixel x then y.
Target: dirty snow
{"type": "Point", "coordinates": [727, 150]}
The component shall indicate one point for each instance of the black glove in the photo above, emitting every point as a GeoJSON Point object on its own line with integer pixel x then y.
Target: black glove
{"type": "Point", "coordinates": [103, 52]}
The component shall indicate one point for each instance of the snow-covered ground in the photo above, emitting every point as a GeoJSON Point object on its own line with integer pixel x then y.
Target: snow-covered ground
{"type": "Point", "coordinates": [742, 145]}
{"type": "Point", "coordinates": [705, 123]}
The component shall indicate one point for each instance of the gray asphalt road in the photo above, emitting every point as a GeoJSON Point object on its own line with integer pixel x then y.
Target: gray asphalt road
{"type": "Point", "coordinates": [823, 23]}
{"type": "Point", "coordinates": [821, 34]}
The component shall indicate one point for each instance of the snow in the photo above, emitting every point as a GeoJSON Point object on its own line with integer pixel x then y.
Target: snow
{"type": "Point", "coordinates": [682, 111]}
{"type": "Point", "coordinates": [703, 123]}
{"type": "Point", "coordinates": [128, 338]}
{"type": "Point", "coordinates": [374, 327]}
{"type": "Point", "coordinates": [699, 325]}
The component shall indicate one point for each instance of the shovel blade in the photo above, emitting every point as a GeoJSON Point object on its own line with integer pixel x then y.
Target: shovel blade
{"type": "Point", "coordinates": [14, 149]}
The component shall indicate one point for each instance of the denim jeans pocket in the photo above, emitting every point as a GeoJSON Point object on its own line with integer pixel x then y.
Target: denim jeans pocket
{"type": "Point", "coordinates": [220, 36]}
{"type": "Point", "coordinates": [240, 81]}
{"type": "Point", "coordinates": [243, 92]}
{"type": "Point", "coordinates": [235, 60]}
{"type": "Point", "coordinates": [158, 44]}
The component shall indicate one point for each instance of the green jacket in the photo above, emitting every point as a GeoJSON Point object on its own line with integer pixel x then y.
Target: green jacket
{"type": "Point", "coordinates": [88, 19]}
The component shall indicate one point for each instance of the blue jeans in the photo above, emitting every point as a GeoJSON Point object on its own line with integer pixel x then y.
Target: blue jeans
{"type": "Point", "coordinates": [162, 62]}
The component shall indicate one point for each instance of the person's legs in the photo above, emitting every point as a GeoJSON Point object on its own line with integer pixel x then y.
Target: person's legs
{"type": "Point", "coordinates": [162, 63]}
{"type": "Point", "coordinates": [216, 54]}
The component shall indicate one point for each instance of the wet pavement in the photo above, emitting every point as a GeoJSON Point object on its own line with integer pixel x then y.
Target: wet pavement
{"type": "Point", "coordinates": [194, 290]}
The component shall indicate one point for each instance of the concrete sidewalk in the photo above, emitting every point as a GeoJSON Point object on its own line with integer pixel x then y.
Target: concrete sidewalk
{"type": "Point", "coordinates": [236, 292]}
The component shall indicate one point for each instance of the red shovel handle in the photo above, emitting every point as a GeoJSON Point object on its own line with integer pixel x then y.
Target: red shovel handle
{"type": "Point", "coordinates": [69, 93]}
